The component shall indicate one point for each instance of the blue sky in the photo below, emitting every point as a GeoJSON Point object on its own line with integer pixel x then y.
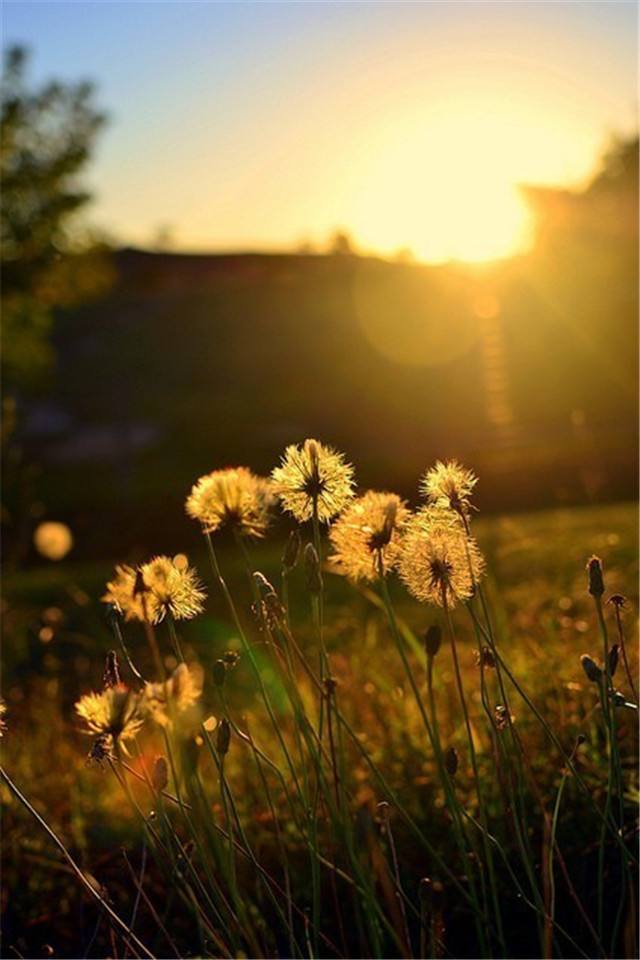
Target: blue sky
{"type": "Point", "coordinates": [258, 124]}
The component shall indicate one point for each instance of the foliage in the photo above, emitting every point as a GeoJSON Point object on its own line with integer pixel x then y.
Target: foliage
{"type": "Point", "coordinates": [47, 140]}
{"type": "Point", "coordinates": [250, 849]}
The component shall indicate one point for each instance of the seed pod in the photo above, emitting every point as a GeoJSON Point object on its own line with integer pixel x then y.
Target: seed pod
{"type": "Point", "coordinates": [160, 774]}
{"type": "Point", "coordinates": [223, 737]}
{"type": "Point", "coordinates": [596, 583]}
{"type": "Point", "coordinates": [312, 568]}
{"type": "Point", "coordinates": [451, 761]}
{"type": "Point", "coordinates": [617, 600]}
{"type": "Point", "coordinates": [219, 673]}
{"type": "Point", "coordinates": [291, 553]}
{"type": "Point", "coordinates": [591, 668]}
{"type": "Point", "coordinates": [432, 640]}
{"type": "Point", "coordinates": [614, 656]}
{"type": "Point", "coordinates": [111, 675]}
{"type": "Point", "coordinates": [485, 658]}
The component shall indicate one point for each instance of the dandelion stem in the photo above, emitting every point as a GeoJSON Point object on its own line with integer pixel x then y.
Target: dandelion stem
{"type": "Point", "coordinates": [91, 890]}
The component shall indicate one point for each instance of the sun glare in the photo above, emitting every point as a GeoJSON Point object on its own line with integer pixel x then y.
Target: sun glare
{"type": "Point", "coordinates": [447, 190]}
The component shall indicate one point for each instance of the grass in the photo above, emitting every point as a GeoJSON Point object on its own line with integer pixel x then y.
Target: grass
{"type": "Point", "coordinates": [359, 840]}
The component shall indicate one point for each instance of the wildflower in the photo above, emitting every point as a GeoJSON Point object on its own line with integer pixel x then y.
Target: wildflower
{"type": "Point", "coordinates": [439, 563]}
{"type": "Point", "coordinates": [174, 695]}
{"type": "Point", "coordinates": [117, 713]}
{"type": "Point", "coordinates": [268, 608]}
{"type": "Point", "coordinates": [175, 588]}
{"type": "Point", "coordinates": [449, 485]}
{"type": "Point", "coordinates": [155, 589]}
{"type": "Point", "coordinates": [591, 668]}
{"type": "Point", "coordinates": [596, 583]}
{"type": "Point", "coordinates": [234, 497]}
{"type": "Point", "coordinates": [366, 537]}
{"type": "Point", "coordinates": [130, 595]}
{"type": "Point", "coordinates": [313, 477]}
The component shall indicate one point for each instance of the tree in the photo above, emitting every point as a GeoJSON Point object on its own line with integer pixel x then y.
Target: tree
{"type": "Point", "coordinates": [47, 138]}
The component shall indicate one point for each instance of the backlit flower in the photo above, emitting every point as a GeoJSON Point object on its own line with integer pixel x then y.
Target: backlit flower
{"type": "Point", "coordinates": [449, 485]}
{"type": "Point", "coordinates": [117, 712]}
{"type": "Point", "coordinates": [161, 587]}
{"type": "Point", "coordinates": [175, 588]}
{"type": "Point", "coordinates": [366, 537]}
{"type": "Point", "coordinates": [175, 695]}
{"type": "Point", "coordinates": [234, 497]}
{"type": "Point", "coordinates": [313, 474]}
{"type": "Point", "coordinates": [439, 563]}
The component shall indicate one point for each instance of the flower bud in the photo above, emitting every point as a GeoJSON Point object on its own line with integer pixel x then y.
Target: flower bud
{"type": "Point", "coordinates": [591, 668]}
{"type": "Point", "coordinates": [223, 737]}
{"type": "Point", "coordinates": [451, 761]}
{"type": "Point", "coordinates": [219, 673]}
{"type": "Point", "coordinates": [596, 583]}
{"type": "Point", "coordinates": [432, 640]}
{"type": "Point", "coordinates": [160, 774]}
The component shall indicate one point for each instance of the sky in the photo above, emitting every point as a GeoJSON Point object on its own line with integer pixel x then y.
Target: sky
{"type": "Point", "coordinates": [268, 125]}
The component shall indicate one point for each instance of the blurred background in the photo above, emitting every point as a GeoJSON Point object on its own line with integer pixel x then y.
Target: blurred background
{"type": "Point", "coordinates": [409, 230]}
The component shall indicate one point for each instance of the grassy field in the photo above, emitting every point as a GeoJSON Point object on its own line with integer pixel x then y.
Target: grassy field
{"type": "Point", "coordinates": [364, 856]}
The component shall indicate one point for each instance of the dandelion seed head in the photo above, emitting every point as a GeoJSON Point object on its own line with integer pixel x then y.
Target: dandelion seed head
{"type": "Point", "coordinates": [366, 537]}
{"type": "Point", "coordinates": [176, 590]}
{"type": "Point", "coordinates": [449, 485]}
{"type": "Point", "coordinates": [175, 695]}
{"type": "Point", "coordinates": [438, 562]}
{"type": "Point", "coordinates": [156, 589]}
{"type": "Point", "coordinates": [117, 712]}
{"type": "Point", "coordinates": [313, 473]}
{"type": "Point", "coordinates": [234, 497]}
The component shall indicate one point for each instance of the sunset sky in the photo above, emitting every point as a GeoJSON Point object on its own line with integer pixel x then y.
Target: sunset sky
{"type": "Point", "coordinates": [260, 126]}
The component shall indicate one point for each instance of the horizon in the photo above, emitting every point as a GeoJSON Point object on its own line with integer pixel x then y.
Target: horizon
{"type": "Point", "coordinates": [272, 126]}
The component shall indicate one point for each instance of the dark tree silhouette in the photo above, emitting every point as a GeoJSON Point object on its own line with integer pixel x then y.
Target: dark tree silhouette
{"type": "Point", "coordinates": [47, 138]}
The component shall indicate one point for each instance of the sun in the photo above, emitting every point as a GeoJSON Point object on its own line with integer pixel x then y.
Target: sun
{"type": "Point", "coordinates": [447, 190]}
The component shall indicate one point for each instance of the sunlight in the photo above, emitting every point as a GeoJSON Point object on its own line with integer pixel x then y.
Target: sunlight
{"type": "Point", "coordinates": [447, 189]}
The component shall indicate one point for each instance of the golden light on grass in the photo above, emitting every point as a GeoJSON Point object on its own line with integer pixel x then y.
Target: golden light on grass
{"type": "Point", "coordinates": [313, 476]}
{"type": "Point", "coordinates": [438, 562]}
{"type": "Point", "coordinates": [53, 540]}
{"type": "Point", "coordinates": [366, 537]}
{"type": "Point", "coordinates": [234, 497]}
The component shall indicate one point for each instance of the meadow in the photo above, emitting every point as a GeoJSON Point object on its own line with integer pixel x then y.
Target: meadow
{"type": "Point", "coordinates": [309, 761]}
